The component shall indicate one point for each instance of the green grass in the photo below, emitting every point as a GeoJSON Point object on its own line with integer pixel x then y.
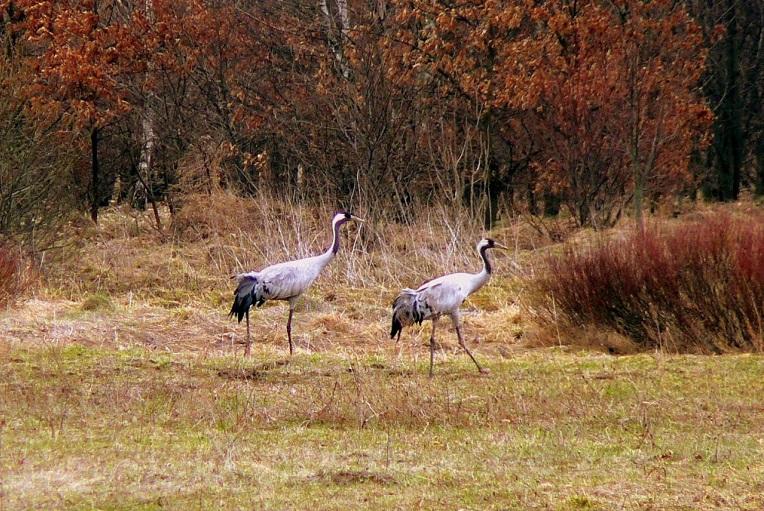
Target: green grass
{"type": "Point", "coordinates": [97, 428]}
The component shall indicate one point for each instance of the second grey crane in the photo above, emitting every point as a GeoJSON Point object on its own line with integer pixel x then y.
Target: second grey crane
{"type": "Point", "coordinates": [284, 281]}
{"type": "Point", "coordinates": [442, 296]}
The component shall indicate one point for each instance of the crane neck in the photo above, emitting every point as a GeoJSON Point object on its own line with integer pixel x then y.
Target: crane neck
{"type": "Point", "coordinates": [335, 246]}
{"type": "Point", "coordinates": [486, 261]}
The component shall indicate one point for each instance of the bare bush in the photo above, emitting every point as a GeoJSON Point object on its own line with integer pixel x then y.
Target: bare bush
{"type": "Point", "coordinates": [698, 287]}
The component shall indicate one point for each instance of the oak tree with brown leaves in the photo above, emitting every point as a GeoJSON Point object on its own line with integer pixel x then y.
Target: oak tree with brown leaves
{"type": "Point", "coordinates": [604, 94]}
{"type": "Point", "coordinates": [85, 50]}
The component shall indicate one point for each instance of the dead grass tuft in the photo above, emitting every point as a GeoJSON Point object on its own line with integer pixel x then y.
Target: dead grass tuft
{"type": "Point", "coordinates": [331, 323]}
{"type": "Point", "coordinates": [97, 302]}
{"type": "Point", "coordinates": [249, 233]}
{"type": "Point", "coordinates": [594, 338]}
{"type": "Point", "coordinates": [16, 275]}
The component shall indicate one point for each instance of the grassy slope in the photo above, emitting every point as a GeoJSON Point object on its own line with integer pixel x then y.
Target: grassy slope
{"type": "Point", "coordinates": [136, 429]}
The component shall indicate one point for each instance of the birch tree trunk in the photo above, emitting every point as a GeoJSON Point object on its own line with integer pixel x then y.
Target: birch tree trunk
{"type": "Point", "coordinates": [148, 138]}
{"type": "Point", "coordinates": [95, 175]}
{"type": "Point", "coordinates": [337, 40]}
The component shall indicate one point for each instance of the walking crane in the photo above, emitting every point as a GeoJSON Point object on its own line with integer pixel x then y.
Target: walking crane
{"type": "Point", "coordinates": [284, 281]}
{"type": "Point", "coordinates": [442, 296]}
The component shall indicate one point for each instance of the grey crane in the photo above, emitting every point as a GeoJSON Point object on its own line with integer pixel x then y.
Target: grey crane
{"type": "Point", "coordinates": [284, 281]}
{"type": "Point", "coordinates": [442, 296]}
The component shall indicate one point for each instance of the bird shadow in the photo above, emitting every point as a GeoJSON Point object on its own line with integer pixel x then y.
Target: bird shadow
{"type": "Point", "coordinates": [268, 370]}
{"type": "Point", "coordinates": [389, 370]}
{"type": "Point", "coordinates": [348, 477]}
{"type": "Point", "coordinates": [258, 372]}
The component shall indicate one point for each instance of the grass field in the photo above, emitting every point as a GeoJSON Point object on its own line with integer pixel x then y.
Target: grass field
{"type": "Point", "coordinates": [128, 426]}
{"type": "Point", "coordinates": [124, 387]}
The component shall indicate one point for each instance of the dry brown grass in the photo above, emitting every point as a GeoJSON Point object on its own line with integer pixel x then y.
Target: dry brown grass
{"type": "Point", "coordinates": [183, 274]}
{"type": "Point", "coordinates": [380, 253]}
{"type": "Point", "coordinates": [217, 235]}
{"type": "Point", "coordinates": [170, 289]}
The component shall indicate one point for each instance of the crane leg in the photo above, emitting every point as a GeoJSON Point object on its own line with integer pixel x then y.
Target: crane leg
{"type": "Point", "coordinates": [432, 344]}
{"type": "Point", "coordinates": [246, 349]}
{"type": "Point", "coordinates": [289, 329]}
{"type": "Point", "coordinates": [463, 345]}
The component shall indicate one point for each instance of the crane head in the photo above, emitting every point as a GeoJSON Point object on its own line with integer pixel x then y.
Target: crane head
{"type": "Point", "coordinates": [343, 216]}
{"type": "Point", "coordinates": [490, 243]}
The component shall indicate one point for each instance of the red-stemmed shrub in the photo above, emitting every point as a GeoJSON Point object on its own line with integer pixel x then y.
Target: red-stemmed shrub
{"type": "Point", "coordinates": [694, 287]}
{"type": "Point", "coordinates": [14, 275]}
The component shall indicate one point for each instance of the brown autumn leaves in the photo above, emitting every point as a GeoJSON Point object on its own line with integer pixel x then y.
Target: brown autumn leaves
{"type": "Point", "coordinates": [596, 103]}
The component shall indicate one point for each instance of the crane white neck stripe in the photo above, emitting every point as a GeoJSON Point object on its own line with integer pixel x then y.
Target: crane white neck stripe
{"type": "Point", "coordinates": [336, 223]}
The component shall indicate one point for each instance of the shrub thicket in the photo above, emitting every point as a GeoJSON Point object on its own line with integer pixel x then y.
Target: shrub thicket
{"type": "Point", "coordinates": [38, 190]}
{"type": "Point", "coordinates": [698, 287]}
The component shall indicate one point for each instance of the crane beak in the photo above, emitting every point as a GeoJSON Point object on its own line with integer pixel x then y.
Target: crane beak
{"type": "Point", "coordinates": [357, 219]}
{"type": "Point", "coordinates": [499, 246]}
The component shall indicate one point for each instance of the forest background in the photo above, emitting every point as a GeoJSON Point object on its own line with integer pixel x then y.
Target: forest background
{"type": "Point", "coordinates": [592, 109]}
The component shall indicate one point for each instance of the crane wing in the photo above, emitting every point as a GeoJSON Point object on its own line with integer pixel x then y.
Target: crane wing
{"type": "Point", "coordinates": [443, 295]}
{"type": "Point", "coordinates": [439, 296]}
{"type": "Point", "coordinates": [286, 280]}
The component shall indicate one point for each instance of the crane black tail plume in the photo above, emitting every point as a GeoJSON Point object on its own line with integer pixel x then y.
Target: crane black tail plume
{"type": "Point", "coordinates": [405, 311]}
{"type": "Point", "coordinates": [249, 292]}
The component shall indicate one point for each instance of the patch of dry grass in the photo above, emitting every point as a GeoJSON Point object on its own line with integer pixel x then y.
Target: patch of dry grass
{"type": "Point", "coordinates": [173, 292]}
{"type": "Point", "coordinates": [193, 261]}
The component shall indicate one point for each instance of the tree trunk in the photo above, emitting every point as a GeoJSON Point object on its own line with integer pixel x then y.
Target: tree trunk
{"type": "Point", "coordinates": [551, 203]}
{"type": "Point", "coordinates": [145, 162]}
{"type": "Point", "coordinates": [336, 41]}
{"type": "Point", "coordinates": [493, 187]}
{"type": "Point", "coordinates": [95, 173]}
{"type": "Point", "coordinates": [759, 188]}
{"type": "Point", "coordinates": [731, 154]}
{"type": "Point", "coordinates": [639, 193]}
{"type": "Point", "coordinates": [148, 138]}
{"type": "Point", "coordinates": [530, 195]}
